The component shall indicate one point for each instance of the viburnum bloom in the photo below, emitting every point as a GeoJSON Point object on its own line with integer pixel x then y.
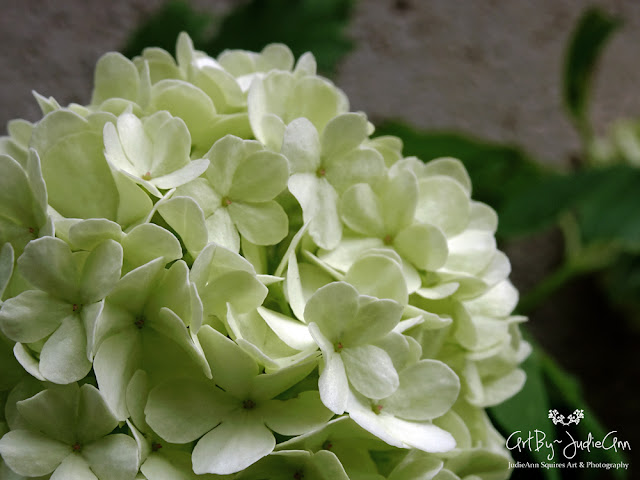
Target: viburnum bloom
{"type": "Point", "coordinates": [215, 269]}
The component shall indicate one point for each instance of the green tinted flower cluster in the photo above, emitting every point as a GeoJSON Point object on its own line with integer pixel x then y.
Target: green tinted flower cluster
{"type": "Point", "coordinates": [213, 269]}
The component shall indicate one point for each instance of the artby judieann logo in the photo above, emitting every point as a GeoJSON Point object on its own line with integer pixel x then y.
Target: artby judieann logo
{"type": "Point", "coordinates": [562, 450]}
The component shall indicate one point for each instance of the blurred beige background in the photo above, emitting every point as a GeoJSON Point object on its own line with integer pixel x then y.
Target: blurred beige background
{"type": "Point", "coordinates": [490, 67]}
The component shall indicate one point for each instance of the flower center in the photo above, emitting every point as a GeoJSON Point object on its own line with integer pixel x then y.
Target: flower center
{"type": "Point", "coordinates": [76, 447]}
{"type": "Point", "coordinates": [248, 404]}
{"type": "Point", "coordinates": [321, 172]}
{"type": "Point", "coordinates": [226, 201]}
{"type": "Point", "coordinates": [147, 176]}
{"type": "Point", "coordinates": [327, 445]}
{"type": "Point", "coordinates": [76, 307]}
{"type": "Point", "coordinates": [338, 347]}
{"type": "Point", "coordinates": [377, 409]}
{"type": "Point", "coordinates": [388, 240]}
{"type": "Point", "coordinates": [155, 446]}
{"type": "Point", "coordinates": [140, 321]}
{"type": "Point", "coordinates": [298, 475]}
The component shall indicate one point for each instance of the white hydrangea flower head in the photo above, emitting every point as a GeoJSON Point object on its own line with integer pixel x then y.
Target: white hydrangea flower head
{"type": "Point", "coordinates": [217, 259]}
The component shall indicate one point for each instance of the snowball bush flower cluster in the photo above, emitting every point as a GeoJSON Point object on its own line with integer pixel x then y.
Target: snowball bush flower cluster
{"type": "Point", "coordinates": [213, 269]}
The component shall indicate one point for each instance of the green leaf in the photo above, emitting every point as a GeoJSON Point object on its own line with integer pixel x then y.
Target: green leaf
{"type": "Point", "coordinates": [318, 26]}
{"type": "Point", "coordinates": [593, 30]}
{"type": "Point", "coordinates": [162, 29]}
{"type": "Point", "coordinates": [605, 201]}
{"type": "Point", "coordinates": [498, 171]}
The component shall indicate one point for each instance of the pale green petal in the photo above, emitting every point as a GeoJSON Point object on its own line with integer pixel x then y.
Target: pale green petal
{"type": "Point", "coordinates": [343, 133]}
{"type": "Point", "coordinates": [423, 245]}
{"type": "Point", "coordinates": [348, 250]}
{"type": "Point", "coordinates": [259, 178]}
{"type": "Point", "coordinates": [134, 203]}
{"type": "Point", "coordinates": [203, 193]}
{"type": "Point", "coordinates": [185, 216]}
{"type": "Point", "coordinates": [233, 446]}
{"type": "Point", "coordinates": [298, 415]}
{"type": "Point", "coordinates": [471, 251]}
{"type": "Point", "coordinates": [444, 203]}
{"type": "Point", "coordinates": [361, 211]}
{"type": "Point", "coordinates": [115, 362]}
{"type": "Point", "coordinates": [427, 390]}
{"type": "Point", "coordinates": [48, 264]}
{"type": "Point", "coordinates": [290, 331]}
{"type": "Point", "coordinates": [187, 102]}
{"type": "Point", "coordinates": [136, 144]}
{"type": "Point", "coordinates": [333, 308]}
{"type": "Point", "coordinates": [240, 289]}
{"type": "Point", "coordinates": [261, 223]}
{"type": "Point", "coordinates": [275, 56]}
{"type": "Point", "coordinates": [265, 100]}
{"type": "Point", "coordinates": [53, 412]}
{"type": "Point", "coordinates": [333, 383]}
{"type": "Point", "coordinates": [266, 387]}
{"type": "Point", "coordinates": [232, 368]}
{"type": "Point", "coordinates": [94, 190]}
{"type": "Point", "coordinates": [171, 146]}
{"type": "Point", "coordinates": [370, 371]}
{"type": "Point", "coordinates": [301, 146]}
{"type": "Point", "coordinates": [114, 457]}
{"type": "Point", "coordinates": [363, 165]}
{"type": "Point", "coordinates": [88, 234]}
{"type": "Point", "coordinates": [132, 290]}
{"type": "Point", "coordinates": [94, 418]}
{"type": "Point", "coordinates": [222, 231]}
{"type": "Point", "coordinates": [450, 167]}
{"type": "Point", "coordinates": [499, 301]}
{"type": "Point", "coordinates": [32, 315]}
{"type": "Point", "coordinates": [181, 176]}
{"type": "Point", "coordinates": [25, 358]}
{"type": "Point", "coordinates": [398, 201]}
{"type": "Point", "coordinates": [6, 267]}
{"type": "Point", "coordinates": [136, 399]}
{"type": "Point", "coordinates": [316, 99]}
{"type": "Point", "coordinates": [292, 286]}
{"type": "Point", "coordinates": [100, 272]}
{"type": "Point", "coordinates": [182, 410]}
{"type": "Point", "coordinates": [374, 320]}
{"type": "Point", "coordinates": [147, 242]}
{"type": "Point", "coordinates": [31, 453]}
{"type": "Point", "coordinates": [318, 200]}
{"type": "Point", "coordinates": [417, 466]}
{"type": "Point", "coordinates": [379, 276]}
{"type": "Point", "coordinates": [483, 217]}
{"type": "Point", "coordinates": [63, 358]}
{"type": "Point", "coordinates": [400, 433]}
{"type": "Point", "coordinates": [115, 76]}
{"type": "Point", "coordinates": [74, 467]}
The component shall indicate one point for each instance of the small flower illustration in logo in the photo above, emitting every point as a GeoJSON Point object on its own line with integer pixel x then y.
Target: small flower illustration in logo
{"type": "Point", "coordinates": [558, 418]}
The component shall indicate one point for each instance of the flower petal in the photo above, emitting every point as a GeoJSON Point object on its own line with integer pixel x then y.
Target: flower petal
{"type": "Point", "coordinates": [261, 223]}
{"type": "Point", "coordinates": [63, 358]}
{"type": "Point", "coordinates": [370, 371]}
{"type": "Point", "coordinates": [232, 446]}
{"type": "Point", "coordinates": [31, 453]}
{"type": "Point", "coordinates": [427, 390]}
